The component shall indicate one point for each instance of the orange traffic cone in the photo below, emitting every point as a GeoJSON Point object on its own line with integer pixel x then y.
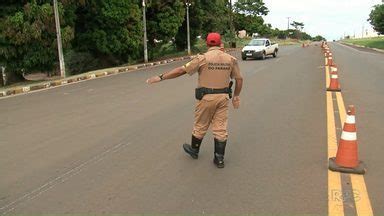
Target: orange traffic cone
{"type": "Point", "coordinates": [334, 84]}
{"type": "Point", "coordinates": [346, 159]}
{"type": "Point", "coordinates": [330, 60]}
{"type": "Point", "coordinates": [333, 69]}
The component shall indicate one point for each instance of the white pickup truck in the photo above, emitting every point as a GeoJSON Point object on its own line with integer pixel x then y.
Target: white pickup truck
{"type": "Point", "coordinates": [259, 48]}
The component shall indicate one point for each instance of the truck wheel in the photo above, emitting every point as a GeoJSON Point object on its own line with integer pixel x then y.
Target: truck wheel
{"type": "Point", "coordinates": [263, 56]}
{"type": "Point", "coordinates": [275, 53]}
{"type": "Point", "coordinates": [244, 58]}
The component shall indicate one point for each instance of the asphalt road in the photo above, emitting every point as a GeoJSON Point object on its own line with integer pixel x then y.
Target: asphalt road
{"type": "Point", "coordinates": [113, 145]}
{"type": "Point", "coordinates": [361, 75]}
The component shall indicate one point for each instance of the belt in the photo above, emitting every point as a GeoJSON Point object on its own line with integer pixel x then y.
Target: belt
{"type": "Point", "coordinates": [215, 91]}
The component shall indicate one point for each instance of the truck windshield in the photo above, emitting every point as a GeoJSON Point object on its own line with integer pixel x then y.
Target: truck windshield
{"type": "Point", "coordinates": [256, 43]}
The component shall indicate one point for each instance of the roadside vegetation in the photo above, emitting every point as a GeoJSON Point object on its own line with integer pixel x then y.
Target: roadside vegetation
{"type": "Point", "coordinates": [376, 18]}
{"type": "Point", "coordinates": [376, 42]}
{"type": "Point", "coordinates": [107, 33]}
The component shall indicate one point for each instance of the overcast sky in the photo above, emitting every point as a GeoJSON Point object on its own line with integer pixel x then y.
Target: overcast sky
{"type": "Point", "coordinates": [329, 18]}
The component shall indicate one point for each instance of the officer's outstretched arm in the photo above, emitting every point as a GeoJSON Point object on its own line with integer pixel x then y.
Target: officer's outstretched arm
{"type": "Point", "coordinates": [169, 75]}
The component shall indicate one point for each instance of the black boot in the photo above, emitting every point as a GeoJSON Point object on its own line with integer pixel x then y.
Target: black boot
{"type": "Point", "coordinates": [218, 160]}
{"type": "Point", "coordinates": [194, 148]}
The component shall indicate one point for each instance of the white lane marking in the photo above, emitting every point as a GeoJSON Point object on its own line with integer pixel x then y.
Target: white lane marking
{"type": "Point", "coordinates": [348, 136]}
{"type": "Point", "coordinates": [60, 179]}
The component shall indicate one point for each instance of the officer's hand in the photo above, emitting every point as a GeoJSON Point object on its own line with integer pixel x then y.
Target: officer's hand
{"type": "Point", "coordinates": [236, 102]}
{"type": "Point", "coordinates": [153, 79]}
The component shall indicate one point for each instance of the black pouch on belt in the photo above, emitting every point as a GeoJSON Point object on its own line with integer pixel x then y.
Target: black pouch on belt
{"type": "Point", "coordinates": [199, 93]}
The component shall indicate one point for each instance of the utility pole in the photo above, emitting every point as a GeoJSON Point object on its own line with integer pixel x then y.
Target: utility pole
{"type": "Point", "coordinates": [233, 44]}
{"type": "Point", "coordinates": [4, 75]}
{"type": "Point", "coordinates": [230, 15]}
{"type": "Point", "coordinates": [288, 22]}
{"type": "Point", "coordinates": [58, 34]}
{"type": "Point", "coordinates": [187, 4]}
{"type": "Point", "coordinates": [145, 34]}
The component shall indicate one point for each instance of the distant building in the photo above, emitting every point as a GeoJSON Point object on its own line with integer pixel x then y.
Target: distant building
{"type": "Point", "coordinates": [371, 32]}
{"type": "Point", "coordinates": [366, 33]}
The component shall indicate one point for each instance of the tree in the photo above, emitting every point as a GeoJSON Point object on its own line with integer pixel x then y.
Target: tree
{"type": "Point", "coordinates": [298, 25]}
{"type": "Point", "coordinates": [251, 7]}
{"type": "Point", "coordinates": [7, 8]}
{"type": "Point", "coordinates": [319, 38]}
{"type": "Point", "coordinates": [249, 17]}
{"type": "Point", "coordinates": [28, 37]}
{"type": "Point", "coordinates": [109, 29]}
{"type": "Point", "coordinates": [164, 17]}
{"type": "Point", "coordinates": [305, 36]}
{"type": "Point", "coordinates": [195, 23]}
{"type": "Point", "coordinates": [215, 16]}
{"type": "Point", "coordinates": [376, 18]}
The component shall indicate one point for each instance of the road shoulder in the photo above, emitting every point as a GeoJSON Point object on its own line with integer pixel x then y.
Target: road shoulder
{"type": "Point", "coordinates": [363, 48]}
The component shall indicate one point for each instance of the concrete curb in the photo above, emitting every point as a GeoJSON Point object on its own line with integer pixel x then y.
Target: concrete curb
{"type": "Point", "coordinates": [85, 76]}
{"type": "Point", "coordinates": [89, 76]}
{"type": "Point", "coordinates": [356, 45]}
{"type": "Point", "coordinates": [378, 50]}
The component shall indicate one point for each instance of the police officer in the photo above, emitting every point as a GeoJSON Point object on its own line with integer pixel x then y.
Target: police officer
{"type": "Point", "coordinates": [215, 69]}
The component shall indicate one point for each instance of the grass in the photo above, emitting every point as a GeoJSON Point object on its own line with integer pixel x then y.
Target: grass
{"type": "Point", "coordinates": [376, 42]}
